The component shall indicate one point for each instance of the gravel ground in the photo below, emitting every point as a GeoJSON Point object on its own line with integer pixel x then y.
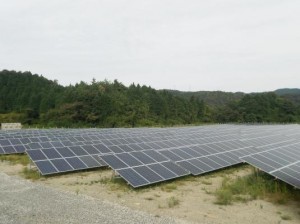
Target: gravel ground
{"type": "Point", "coordinates": [25, 202]}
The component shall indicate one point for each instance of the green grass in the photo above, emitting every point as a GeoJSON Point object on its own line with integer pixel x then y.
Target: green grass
{"type": "Point", "coordinates": [286, 217]}
{"type": "Point", "coordinates": [206, 182]}
{"type": "Point", "coordinates": [169, 187]}
{"type": "Point", "coordinates": [115, 183]}
{"type": "Point", "coordinates": [30, 174]}
{"type": "Point", "coordinates": [172, 202]}
{"type": "Point", "coordinates": [224, 197]}
{"type": "Point", "coordinates": [254, 186]}
{"type": "Point", "coordinates": [16, 159]}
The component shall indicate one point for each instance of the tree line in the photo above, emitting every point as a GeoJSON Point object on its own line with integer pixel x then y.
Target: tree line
{"type": "Point", "coordinates": [35, 100]}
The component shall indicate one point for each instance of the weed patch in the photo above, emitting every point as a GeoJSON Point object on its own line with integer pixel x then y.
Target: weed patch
{"type": "Point", "coordinates": [172, 202]}
{"type": "Point", "coordinates": [30, 174]}
{"type": "Point", "coordinates": [224, 197]}
{"type": "Point", "coordinates": [286, 217]}
{"type": "Point", "coordinates": [169, 187]}
{"type": "Point", "coordinates": [114, 183]}
{"type": "Point", "coordinates": [16, 159]}
{"type": "Point", "coordinates": [256, 185]}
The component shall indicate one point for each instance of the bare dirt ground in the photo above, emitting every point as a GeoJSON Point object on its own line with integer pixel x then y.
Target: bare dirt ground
{"type": "Point", "coordinates": [190, 199]}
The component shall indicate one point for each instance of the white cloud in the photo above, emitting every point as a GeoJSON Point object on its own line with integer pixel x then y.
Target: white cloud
{"type": "Point", "coordinates": [188, 45]}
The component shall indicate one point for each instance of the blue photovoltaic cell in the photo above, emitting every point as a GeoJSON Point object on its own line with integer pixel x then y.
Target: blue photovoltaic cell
{"type": "Point", "coordinates": [51, 153]}
{"type": "Point", "coordinates": [61, 165]}
{"type": "Point", "coordinates": [175, 169]}
{"type": "Point", "coordinates": [133, 177]}
{"type": "Point", "coordinates": [4, 142]}
{"type": "Point", "coordinates": [24, 140]}
{"type": "Point", "coordinates": [102, 148]}
{"type": "Point", "coordinates": [128, 159]}
{"type": "Point", "coordinates": [183, 153]}
{"type": "Point", "coordinates": [190, 167]}
{"type": "Point", "coordinates": [99, 160]}
{"type": "Point", "coordinates": [65, 152]}
{"type": "Point", "coordinates": [143, 157]}
{"type": "Point", "coordinates": [115, 149]}
{"type": "Point", "coordinates": [15, 141]}
{"type": "Point", "coordinates": [171, 155]}
{"type": "Point", "coordinates": [148, 174]}
{"type": "Point", "coordinates": [57, 144]}
{"type": "Point", "coordinates": [20, 148]}
{"type": "Point", "coordinates": [90, 161]}
{"type": "Point", "coordinates": [258, 163]}
{"type": "Point", "coordinates": [76, 163]}
{"type": "Point", "coordinates": [113, 161]}
{"type": "Point", "coordinates": [144, 146]}
{"type": "Point", "coordinates": [90, 149]}
{"type": "Point", "coordinates": [210, 163]}
{"type": "Point", "coordinates": [36, 154]}
{"type": "Point", "coordinates": [125, 148]}
{"type": "Point", "coordinates": [162, 171]}
{"type": "Point", "coordinates": [156, 156]}
{"type": "Point", "coordinates": [46, 145]}
{"type": "Point", "coordinates": [46, 167]}
{"type": "Point", "coordinates": [35, 145]}
{"type": "Point", "coordinates": [219, 161]}
{"type": "Point", "coordinates": [77, 150]}
{"type": "Point", "coordinates": [9, 149]}
{"type": "Point", "coordinates": [292, 178]}
{"type": "Point", "coordinates": [67, 143]}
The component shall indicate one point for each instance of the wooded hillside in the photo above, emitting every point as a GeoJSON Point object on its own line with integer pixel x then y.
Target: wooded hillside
{"type": "Point", "coordinates": [33, 99]}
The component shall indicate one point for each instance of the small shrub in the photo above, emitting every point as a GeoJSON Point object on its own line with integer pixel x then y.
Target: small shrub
{"type": "Point", "coordinates": [224, 197]}
{"type": "Point", "coordinates": [169, 187]}
{"type": "Point", "coordinates": [105, 180]}
{"type": "Point", "coordinates": [157, 195]}
{"type": "Point", "coordinates": [242, 198]}
{"type": "Point", "coordinates": [172, 202]}
{"type": "Point", "coordinates": [16, 159]}
{"type": "Point", "coordinates": [253, 186]}
{"type": "Point", "coordinates": [114, 183]}
{"type": "Point", "coordinates": [160, 206]}
{"type": "Point", "coordinates": [206, 182]}
{"type": "Point", "coordinates": [30, 174]}
{"type": "Point", "coordinates": [286, 217]}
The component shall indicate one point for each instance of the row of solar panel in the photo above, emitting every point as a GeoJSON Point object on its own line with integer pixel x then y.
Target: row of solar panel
{"type": "Point", "coordinates": [10, 146]}
{"type": "Point", "coordinates": [157, 133]}
{"type": "Point", "coordinates": [139, 169]}
{"type": "Point", "coordinates": [282, 162]}
{"type": "Point", "coordinates": [186, 159]}
{"type": "Point", "coordinates": [62, 165]}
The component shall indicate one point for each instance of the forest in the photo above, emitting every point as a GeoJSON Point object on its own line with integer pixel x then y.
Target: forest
{"type": "Point", "coordinates": [36, 101]}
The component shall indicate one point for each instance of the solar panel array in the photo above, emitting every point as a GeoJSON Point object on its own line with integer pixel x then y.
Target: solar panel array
{"type": "Point", "coordinates": [145, 156]}
{"type": "Point", "coordinates": [143, 168]}
{"type": "Point", "coordinates": [282, 162]}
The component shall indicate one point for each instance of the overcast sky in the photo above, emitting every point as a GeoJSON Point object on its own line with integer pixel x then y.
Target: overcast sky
{"type": "Point", "coordinates": [192, 45]}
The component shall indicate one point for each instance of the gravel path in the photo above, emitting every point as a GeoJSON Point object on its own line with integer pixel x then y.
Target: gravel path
{"type": "Point", "coordinates": [25, 202]}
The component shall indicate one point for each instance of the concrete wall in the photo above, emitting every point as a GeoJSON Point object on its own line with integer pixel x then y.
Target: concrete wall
{"type": "Point", "coordinates": [10, 126]}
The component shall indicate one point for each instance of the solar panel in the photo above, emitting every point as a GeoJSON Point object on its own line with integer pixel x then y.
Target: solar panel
{"type": "Point", "coordinates": [143, 168]}
{"type": "Point", "coordinates": [282, 162]}
{"type": "Point", "coordinates": [163, 151]}
{"type": "Point", "coordinates": [11, 146]}
{"type": "Point", "coordinates": [64, 159]}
